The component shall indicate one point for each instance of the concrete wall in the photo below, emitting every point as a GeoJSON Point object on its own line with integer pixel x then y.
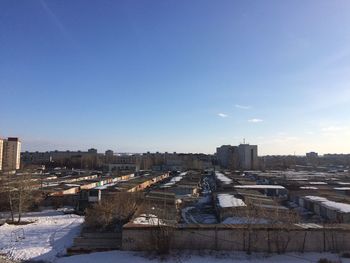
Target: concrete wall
{"type": "Point", "coordinates": [241, 238]}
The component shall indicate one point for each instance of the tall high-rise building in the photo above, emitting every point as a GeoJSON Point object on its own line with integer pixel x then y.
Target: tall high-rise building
{"type": "Point", "coordinates": [1, 150]}
{"type": "Point", "coordinates": [109, 156]}
{"type": "Point", "coordinates": [227, 156]}
{"type": "Point", "coordinates": [11, 154]}
{"type": "Point", "coordinates": [312, 158]}
{"type": "Point", "coordinates": [243, 157]}
{"type": "Point", "coordinates": [248, 156]}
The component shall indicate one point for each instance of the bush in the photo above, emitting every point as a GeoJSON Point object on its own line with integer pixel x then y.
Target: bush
{"type": "Point", "coordinates": [113, 211]}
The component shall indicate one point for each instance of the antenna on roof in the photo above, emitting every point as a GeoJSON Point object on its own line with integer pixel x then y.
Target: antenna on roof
{"type": "Point", "coordinates": [243, 140]}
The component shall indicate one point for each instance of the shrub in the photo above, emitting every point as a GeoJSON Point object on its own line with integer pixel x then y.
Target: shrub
{"type": "Point", "coordinates": [113, 211]}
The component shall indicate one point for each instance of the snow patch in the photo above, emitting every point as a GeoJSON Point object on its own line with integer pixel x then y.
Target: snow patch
{"type": "Point", "coordinates": [222, 178]}
{"type": "Point", "coordinates": [341, 207]}
{"type": "Point", "coordinates": [259, 186]}
{"type": "Point", "coordinates": [174, 180]}
{"type": "Point", "coordinates": [228, 200]}
{"type": "Point", "coordinates": [148, 219]}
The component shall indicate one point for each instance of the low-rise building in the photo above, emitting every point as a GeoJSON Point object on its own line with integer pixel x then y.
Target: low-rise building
{"type": "Point", "coordinates": [332, 211]}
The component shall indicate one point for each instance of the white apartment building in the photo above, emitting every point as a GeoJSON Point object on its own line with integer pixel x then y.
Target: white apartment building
{"type": "Point", "coordinates": [11, 154]}
{"type": "Point", "coordinates": [1, 150]}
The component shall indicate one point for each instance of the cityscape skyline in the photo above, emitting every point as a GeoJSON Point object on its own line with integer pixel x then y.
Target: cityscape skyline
{"type": "Point", "coordinates": [116, 151]}
{"type": "Point", "coordinates": [176, 76]}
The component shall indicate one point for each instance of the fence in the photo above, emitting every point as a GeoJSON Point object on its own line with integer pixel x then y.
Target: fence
{"type": "Point", "coordinates": [250, 238]}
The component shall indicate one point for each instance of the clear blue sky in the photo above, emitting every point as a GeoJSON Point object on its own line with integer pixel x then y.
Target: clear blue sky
{"type": "Point", "coordinates": [183, 76]}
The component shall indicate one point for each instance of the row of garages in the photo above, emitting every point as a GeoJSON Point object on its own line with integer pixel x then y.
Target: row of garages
{"type": "Point", "coordinates": [331, 211]}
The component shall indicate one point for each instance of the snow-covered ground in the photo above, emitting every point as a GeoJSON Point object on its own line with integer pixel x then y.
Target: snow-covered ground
{"type": "Point", "coordinates": [45, 239]}
{"type": "Point", "coordinates": [199, 257]}
{"type": "Point", "coordinates": [52, 232]}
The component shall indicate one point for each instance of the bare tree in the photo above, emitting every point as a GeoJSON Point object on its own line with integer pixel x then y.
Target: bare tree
{"type": "Point", "coordinates": [252, 215]}
{"type": "Point", "coordinates": [113, 211]}
{"type": "Point", "coordinates": [18, 191]}
{"type": "Point", "coordinates": [161, 236]}
{"type": "Point", "coordinates": [282, 236]}
{"type": "Point", "coordinates": [256, 213]}
{"type": "Point", "coordinates": [163, 227]}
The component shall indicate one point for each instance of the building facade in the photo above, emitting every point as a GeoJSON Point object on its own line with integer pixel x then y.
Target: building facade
{"type": "Point", "coordinates": [243, 157]}
{"type": "Point", "coordinates": [248, 156]}
{"type": "Point", "coordinates": [312, 158]}
{"type": "Point", "coordinates": [227, 156]}
{"type": "Point", "coordinates": [1, 150]}
{"type": "Point", "coordinates": [11, 154]}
